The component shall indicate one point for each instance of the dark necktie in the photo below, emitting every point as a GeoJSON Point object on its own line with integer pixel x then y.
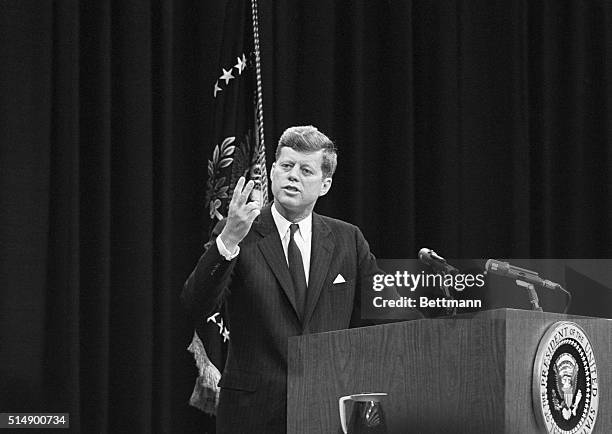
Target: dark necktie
{"type": "Point", "coordinates": [296, 269]}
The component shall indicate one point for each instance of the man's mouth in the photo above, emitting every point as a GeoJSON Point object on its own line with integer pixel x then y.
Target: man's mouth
{"type": "Point", "coordinates": [291, 188]}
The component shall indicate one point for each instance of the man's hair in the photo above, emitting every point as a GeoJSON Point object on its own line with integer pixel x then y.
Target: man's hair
{"type": "Point", "coordinates": [308, 139]}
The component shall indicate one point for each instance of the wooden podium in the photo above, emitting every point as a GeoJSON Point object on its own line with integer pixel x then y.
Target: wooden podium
{"type": "Point", "coordinates": [458, 375]}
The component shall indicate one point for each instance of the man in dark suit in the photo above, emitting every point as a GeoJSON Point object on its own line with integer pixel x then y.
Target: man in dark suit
{"type": "Point", "coordinates": [281, 271]}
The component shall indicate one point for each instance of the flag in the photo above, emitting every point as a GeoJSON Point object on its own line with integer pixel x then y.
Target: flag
{"type": "Point", "coordinates": [238, 150]}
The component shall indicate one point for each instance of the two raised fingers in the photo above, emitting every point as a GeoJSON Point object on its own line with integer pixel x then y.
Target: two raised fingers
{"type": "Point", "coordinates": [241, 195]}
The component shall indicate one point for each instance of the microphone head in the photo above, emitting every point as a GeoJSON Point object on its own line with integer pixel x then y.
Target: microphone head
{"type": "Point", "coordinates": [498, 267]}
{"type": "Point", "coordinates": [428, 256]}
{"type": "Point", "coordinates": [424, 253]}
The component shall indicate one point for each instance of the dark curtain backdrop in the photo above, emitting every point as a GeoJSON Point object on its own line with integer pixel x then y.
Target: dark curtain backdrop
{"type": "Point", "coordinates": [477, 128]}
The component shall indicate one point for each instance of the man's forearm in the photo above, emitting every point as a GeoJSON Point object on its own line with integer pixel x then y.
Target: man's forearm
{"type": "Point", "coordinates": [204, 289]}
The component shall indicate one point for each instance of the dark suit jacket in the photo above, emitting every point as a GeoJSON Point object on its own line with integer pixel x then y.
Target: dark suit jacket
{"type": "Point", "coordinates": [257, 290]}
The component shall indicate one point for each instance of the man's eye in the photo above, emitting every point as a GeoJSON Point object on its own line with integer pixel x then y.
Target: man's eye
{"type": "Point", "coordinates": [307, 171]}
{"type": "Point", "coordinates": [286, 166]}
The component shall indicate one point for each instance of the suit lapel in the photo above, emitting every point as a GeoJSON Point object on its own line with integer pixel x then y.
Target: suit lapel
{"type": "Point", "coordinates": [272, 250]}
{"type": "Point", "coordinates": [320, 258]}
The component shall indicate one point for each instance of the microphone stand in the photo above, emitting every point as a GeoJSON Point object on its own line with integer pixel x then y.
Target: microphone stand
{"type": "Point", "coordinates": [532, 294]}
{"type": "Point", "coordinates": [450, 311]}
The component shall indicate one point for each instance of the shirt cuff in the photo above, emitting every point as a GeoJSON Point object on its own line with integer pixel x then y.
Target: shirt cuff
{"type": "Point", "coordinates": [225, 252]}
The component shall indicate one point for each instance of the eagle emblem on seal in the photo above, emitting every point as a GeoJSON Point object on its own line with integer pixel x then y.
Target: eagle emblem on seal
{"type": "Point", "coordinates": [566, 373]}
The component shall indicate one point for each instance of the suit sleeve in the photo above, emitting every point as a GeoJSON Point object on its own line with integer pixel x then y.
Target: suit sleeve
{"type": "Point", "coordinates": [363, 315]}
{"type": "Point", "coordinates": [208, 283]}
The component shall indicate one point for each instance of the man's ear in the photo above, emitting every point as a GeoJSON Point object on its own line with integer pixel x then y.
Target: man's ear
{"type": "Point", "coordinates": [272, 168]}
{"type": "Point", "coordinates": [327, 182]}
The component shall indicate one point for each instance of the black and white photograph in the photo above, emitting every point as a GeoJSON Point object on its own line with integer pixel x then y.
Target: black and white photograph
{"type": "Point", "coordinates": [306, 217]}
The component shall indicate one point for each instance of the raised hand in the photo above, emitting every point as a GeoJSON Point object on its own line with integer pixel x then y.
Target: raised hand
{"type": "Point", "coordinates": [240, 215]}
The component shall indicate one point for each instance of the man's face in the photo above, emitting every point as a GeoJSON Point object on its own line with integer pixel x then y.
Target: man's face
{"type": "Point", "coordinates": [297, 182]}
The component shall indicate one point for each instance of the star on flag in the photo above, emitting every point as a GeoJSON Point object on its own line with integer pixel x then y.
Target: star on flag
{"type": "Point", "coordinates": [225, 334]}
{"type": "Point", "coordinates": [223, 331]}
{"type": "Point", "coordinates": [227, 76]}
{"type": "Point", "coordinates": [212, 318]}
{"type": "Point", "coordinates": [241, 64]}
{"type": "Point", "coordinates": [220, 325]}
{"type": "Point", "coordinates": [217, 88]}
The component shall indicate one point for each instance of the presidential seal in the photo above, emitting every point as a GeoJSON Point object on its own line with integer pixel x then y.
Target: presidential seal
{"type": "Point", "coordinates": [565, 383]}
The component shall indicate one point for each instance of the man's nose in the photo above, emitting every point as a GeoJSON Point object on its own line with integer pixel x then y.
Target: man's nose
{"type": "Point", "coordinates": [293, 173]}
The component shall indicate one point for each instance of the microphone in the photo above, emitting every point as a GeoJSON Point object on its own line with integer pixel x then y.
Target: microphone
{"type": "Point", "coordinates": [435, 261]}
{"type": "Point", "coordinates": [505, 269]}
{"type": "Point", "coordinates": [439, 264]}
{"type": "Point", "coordinates": [531, 277]}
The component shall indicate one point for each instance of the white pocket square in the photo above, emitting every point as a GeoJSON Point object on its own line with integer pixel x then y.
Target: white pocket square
{"type": "Point", "coordinates": [339, 279]}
